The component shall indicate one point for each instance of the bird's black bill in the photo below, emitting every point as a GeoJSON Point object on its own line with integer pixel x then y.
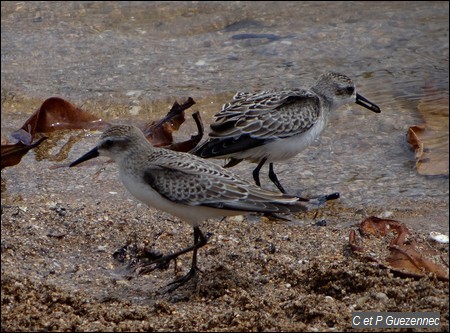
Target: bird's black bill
{"type": "Point", "coordinates": [93, 153]}
{"type": "Point", "coordinates": [367, 104]}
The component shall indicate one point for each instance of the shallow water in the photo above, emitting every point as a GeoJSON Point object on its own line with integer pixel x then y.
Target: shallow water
{"type": "Point", "coordinates": [132, 60]}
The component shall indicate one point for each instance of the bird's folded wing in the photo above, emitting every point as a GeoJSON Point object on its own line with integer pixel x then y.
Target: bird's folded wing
{"type": "Point", "coordinates": [268, 115]}
{"type": "Point", "coordinates": [206, 184]}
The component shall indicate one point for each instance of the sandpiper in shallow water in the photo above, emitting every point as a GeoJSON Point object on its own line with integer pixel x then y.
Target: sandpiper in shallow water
{"type": "Point", "coordinates": [184, 185]}
{"type": "Point", "coordinates": [273, 126]}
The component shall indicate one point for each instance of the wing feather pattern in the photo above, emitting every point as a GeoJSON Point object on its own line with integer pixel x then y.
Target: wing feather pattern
{"type": "Point", "coordinates": [251, 120]}
{"type": "Point", "coordinates": [184, 181]}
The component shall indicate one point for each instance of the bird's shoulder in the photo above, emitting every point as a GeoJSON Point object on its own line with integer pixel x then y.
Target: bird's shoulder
{"type": "Point", "coordinates": [268, 114]}
{"type": "Point", "coordinates": [175, 165]}
{"type": "Point", "coordinates": [187, 178]}
{"type": "Point", "coordinates": [258, 103]}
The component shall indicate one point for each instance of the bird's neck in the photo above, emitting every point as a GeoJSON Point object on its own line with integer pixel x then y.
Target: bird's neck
{"type": "Point", "coordinates": [327, 102]}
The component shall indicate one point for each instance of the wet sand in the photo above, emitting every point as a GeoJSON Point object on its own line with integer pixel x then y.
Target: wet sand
{"type": "Point", "coordinates": [59, 274]}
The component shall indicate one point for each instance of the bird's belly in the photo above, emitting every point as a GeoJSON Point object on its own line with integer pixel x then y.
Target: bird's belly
{"type": "Point", "coordinates": [193, 215]}
{"type": "Point", "coordinates": [282, 149]}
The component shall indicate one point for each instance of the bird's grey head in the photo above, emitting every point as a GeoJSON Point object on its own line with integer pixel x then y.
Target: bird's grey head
{"type": "Point", "coordinates": [339, 89]}
{"type": "Point", "coordinates": [117, 142]}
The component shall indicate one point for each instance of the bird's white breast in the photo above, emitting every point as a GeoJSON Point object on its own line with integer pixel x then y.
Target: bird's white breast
{"type": "Point", "coordinates": [193, 215]}
{"type": "Point", "coordinates": [283, 149]}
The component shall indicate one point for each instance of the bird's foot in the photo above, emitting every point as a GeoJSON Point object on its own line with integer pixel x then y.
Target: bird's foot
{"type": "Point", "coordinates": [160, 263]}
{"type": "Point", "coordinates": [181, 281]}
{"type": "Point", "coordinates": [157, 261]}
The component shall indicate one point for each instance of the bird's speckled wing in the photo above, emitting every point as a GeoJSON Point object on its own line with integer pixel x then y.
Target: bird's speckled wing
{"type": "Point", "coordinates": [269, 114]}
{"type": "Point", "coordinates": [194, 181]}
{"type": "Point", "coordinates": [251, 120]}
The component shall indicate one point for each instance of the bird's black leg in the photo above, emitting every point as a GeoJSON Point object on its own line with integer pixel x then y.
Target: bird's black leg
{"type": "Point", "coordinates": [199, 241]}
{"type": "Point", "coordinates": [256, 171]}
{"type": "Point", "coordinates": [273, 177]}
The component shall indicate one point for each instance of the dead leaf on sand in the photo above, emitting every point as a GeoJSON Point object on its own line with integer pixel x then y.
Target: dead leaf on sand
{"type": "Point", "coordinates": [159, 133]}
{"type": "Point", "coordinates": [390, 244]}
{"type": "Point", "coordinates": [430, 140]}
{"type": "Point", "coordinates": [54, 114]}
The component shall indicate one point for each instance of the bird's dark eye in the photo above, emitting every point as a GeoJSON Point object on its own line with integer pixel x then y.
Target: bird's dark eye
{"type": "Point", "coordinates": [350, 90]}
{"type": "Point", "coordinates": [108, 143]}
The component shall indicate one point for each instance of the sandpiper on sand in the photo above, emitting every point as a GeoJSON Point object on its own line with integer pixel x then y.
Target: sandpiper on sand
{"type": "Point", "coordinates": [184, 185]}
{"type": "Point", "coordinates": [273, 126]}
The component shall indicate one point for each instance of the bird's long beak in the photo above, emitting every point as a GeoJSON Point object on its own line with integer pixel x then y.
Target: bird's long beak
{"type": "Point", "coordinates": [361, 100]}
{"type": "Point", "coordinates": [91, 154]}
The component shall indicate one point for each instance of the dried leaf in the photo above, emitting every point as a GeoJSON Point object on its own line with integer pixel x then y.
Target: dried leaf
{"type": "Point", "coordinates": [190, 144]}
{"type": "Point", "coordinates": [430, 140]}
{"type": "Point", "coordinates": [160, 133]}
{"type": "Point", "coordinates": [54, 114]}
{"type": "Point", "coordinates": [407, 258]}
{"type": "Point", "coordinates": [402, 254]}
{"type": "Point", "coordinates": [12, 154]}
